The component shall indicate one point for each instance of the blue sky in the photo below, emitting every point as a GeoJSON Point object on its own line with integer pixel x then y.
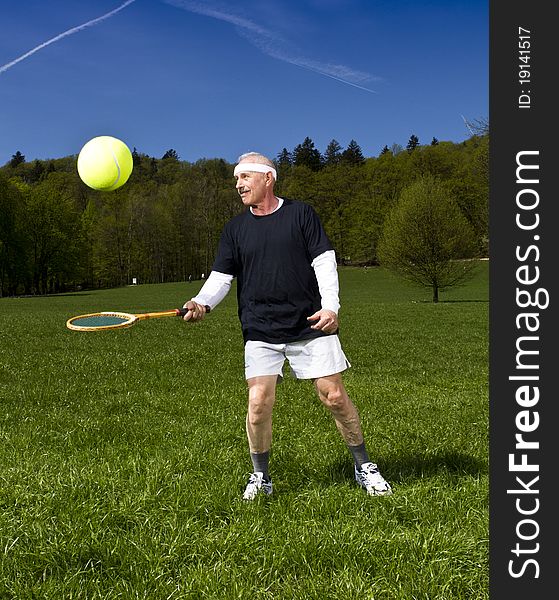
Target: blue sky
{"type": "Point", "coordinates": [216, 79]}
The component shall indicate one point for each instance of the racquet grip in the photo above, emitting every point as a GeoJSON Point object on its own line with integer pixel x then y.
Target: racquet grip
{"type": "Point", "coordinates": [182, 311]}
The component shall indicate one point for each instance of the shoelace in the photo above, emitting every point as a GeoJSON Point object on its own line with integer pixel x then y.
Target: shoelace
{"type": "Point", "coordinates": [373, 476]}
{"type": "Point", "coordinates": [370, 469]}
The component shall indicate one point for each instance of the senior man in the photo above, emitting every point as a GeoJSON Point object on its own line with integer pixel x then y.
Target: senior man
{"type": "Point", "coordinates": [287, 292]}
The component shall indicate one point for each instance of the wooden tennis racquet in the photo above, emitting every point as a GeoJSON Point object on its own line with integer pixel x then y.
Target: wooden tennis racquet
{"type": "Point", "coordinates": [118, 320]}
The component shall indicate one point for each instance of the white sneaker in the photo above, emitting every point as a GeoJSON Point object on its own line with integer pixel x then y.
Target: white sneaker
{"type": "Point", "coordinates": [257, 484]}
{"type": "Point", "coordinates": [369, 477]}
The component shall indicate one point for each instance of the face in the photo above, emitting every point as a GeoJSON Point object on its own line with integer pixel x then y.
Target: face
{"type": "Point", "coordinates": [251, 187]}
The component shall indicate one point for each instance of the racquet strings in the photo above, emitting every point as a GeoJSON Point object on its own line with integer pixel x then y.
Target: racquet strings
{"type": "Point", "coordinates": [94, 321]}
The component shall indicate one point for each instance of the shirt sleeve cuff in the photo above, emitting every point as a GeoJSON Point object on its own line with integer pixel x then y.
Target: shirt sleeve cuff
{"type": "Point", "coordinates": [214, 290]}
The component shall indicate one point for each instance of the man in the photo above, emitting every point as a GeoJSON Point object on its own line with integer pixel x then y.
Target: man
{"type": "Point", "coordinates": [287, 291]}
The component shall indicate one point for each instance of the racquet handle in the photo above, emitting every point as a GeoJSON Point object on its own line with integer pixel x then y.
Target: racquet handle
{"type": "Point", "coordinates": [176, 312]}
{"type": "Point", "coordinates": [182, 311]}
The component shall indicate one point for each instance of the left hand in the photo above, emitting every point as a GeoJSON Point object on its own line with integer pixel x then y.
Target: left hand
{"type": "Point", "coordinates": [326, 320]}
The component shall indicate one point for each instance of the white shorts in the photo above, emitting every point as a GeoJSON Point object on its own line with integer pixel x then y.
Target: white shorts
{"type": "Point", "coordinates": [308, 359]}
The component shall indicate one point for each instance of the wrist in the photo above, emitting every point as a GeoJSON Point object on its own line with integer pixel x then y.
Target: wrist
{"type": "Point", "coordinates": [331, 309]}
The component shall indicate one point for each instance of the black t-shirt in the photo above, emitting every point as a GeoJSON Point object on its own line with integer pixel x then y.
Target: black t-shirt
{"type": "Point", "coordinates": [271, 258]}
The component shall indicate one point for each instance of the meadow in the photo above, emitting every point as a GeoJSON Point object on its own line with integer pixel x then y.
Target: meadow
{"type": "Point", "coordinates": [123, 454]}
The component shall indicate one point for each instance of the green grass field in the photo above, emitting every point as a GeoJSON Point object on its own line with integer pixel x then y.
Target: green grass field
{"type": "Point", "coordinates": [123, 454]}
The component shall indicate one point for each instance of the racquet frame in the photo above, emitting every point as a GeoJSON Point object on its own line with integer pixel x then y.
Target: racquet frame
{"type": "Point", "coordinates": [131, 319]}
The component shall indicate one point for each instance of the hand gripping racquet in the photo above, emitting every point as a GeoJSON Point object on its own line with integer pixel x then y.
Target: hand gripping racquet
{"type": "Point", "coordinates": [118, 320]}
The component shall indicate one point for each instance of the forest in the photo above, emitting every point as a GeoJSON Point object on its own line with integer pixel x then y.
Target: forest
{"type": "Point", "coordinates": [58, 235]}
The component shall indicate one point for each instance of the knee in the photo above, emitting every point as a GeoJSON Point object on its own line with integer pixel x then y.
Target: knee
{"type": "Point", "coordinates": [335, 399]}
{"type": "Point", "coordinates": [260, 403]}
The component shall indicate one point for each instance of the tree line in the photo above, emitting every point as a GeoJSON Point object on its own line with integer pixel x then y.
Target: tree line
{"type": "Point", "coordinates": [163, 225]}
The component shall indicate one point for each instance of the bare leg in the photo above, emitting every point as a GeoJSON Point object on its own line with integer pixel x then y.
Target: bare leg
{"type": "Point", "coordinates": [261, 398]}
{"type": "Point", "coordinates": [332, 392]}
{"type": "Point", "coordinates": [333, 395]}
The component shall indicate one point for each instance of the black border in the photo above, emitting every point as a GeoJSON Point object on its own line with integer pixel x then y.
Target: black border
{"type": "Point", "coordinates": [512, 130]}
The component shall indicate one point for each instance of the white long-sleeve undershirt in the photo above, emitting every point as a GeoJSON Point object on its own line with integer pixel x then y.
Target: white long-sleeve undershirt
{"type": "Point", "coordinates": [218, 284]}
{"type": "Point", "coordinates": [326, 271]}
{"type": "Point", "coordinates": [214, 290]}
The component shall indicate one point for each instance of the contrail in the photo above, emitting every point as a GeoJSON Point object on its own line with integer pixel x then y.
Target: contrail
{"type": "Point", "coordinates": [267, 41]}
{"type": "Point", "coordinates": [65, 34]}
{"type": "Point", "coordinates": [322, 72]}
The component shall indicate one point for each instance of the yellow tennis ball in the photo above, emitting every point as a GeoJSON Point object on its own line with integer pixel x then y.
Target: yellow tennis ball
{"type": "Point", "coordinates": [105, 163]}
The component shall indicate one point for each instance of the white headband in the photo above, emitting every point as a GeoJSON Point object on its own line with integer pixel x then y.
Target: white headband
{"type": "Point", "coordinates": [248, 166]}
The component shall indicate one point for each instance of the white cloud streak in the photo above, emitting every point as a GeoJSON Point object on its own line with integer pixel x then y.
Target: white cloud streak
{"type": "Point", "coordinates": [108, 15]}
{"type": "Point", "coordinates": [267, 41]}
{"type": "Point", "coordinates": [271, 44]}
{"type": "Point", "coordinates": [203, 9]}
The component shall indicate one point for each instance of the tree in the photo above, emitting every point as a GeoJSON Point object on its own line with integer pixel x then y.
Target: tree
{"type": "Point", "coordinates": [49, 168]}
{"type": "Point", "coordinates": [165, 223]}
{"type": "Point", "coordinates": [152, 169]}
{"type": "Point", "coordinates": [170, 154]}
{"type": "Point", "coordinates": [333, 153]}
{"type": "Point", "coordinates": [284, 159]}
{"type": "Point", "coordinates": [413, 143]}
{"type": "Point", "coordinates": [53, 229]}
{"type": "Point", "coordinates": [477, 126]}
{"type": "Point", "coordinates": [36, 171]}
{"type": "Point", "coordinates": [306, 155]}
{"type": "Point", "coordinates": [434, 142]}
{"type": "Point", "coordinates": [17, 159]}
{"type": "Point", "coordinates": [13, 259]}
{"type": "Point", "coordinates": [352, 155]}
{"type": "Point", "coordinates": [113, 236]}
{"type": "Point", "coordinates": [136, 159]}
{"type": "Point", "coordinates": [425, 237]}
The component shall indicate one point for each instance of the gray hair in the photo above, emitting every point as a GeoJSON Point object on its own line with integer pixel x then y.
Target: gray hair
{"type": "Point", "coordinates": [256, 157]}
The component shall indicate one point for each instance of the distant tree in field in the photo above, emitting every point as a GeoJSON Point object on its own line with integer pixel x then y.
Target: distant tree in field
{"type": "Point", "coordinates": [333, 153]}
{"type": "Point", "coordinates": [306, 155]}
{"type": "Point", "coordinates": [425, 237]}
{"type": "Point", "coordinates": [17, 159]}
{"type": "Point", "coordinates": [413, 143]}
{"type": "Point", "coordinates": [385, 150]}
{"type": "Point", "coordinates": [434, 142]}
{"type": "Point", "coordinates": [353, 155]}
{"type": "Point", "coordinates": [396, 149]}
